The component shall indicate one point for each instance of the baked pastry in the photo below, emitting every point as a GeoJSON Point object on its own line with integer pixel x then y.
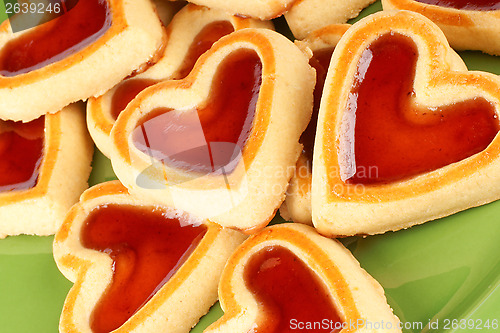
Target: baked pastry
{"type": "Point", "coordinates": [297, 205]}
{"type": "Point", "coordinates": [306, 16]}
{"type": "Point", "coordinates": [405, 133]}
{"type": "Point", "coordinates": [287, 278]}
{"type": "Point", "coordinates": [468, 25]}
{"type": "Point", "coordinates": [44, 167]}
{"type": "Point", "coordinates": [137, 266]}
{"type": "Point", "coordinates": [68, 57]}
{"type": "Point", "coordinates": [263, 10]}
{"type": "Point", "coordinates": [192, 32]}
{"type": "Point", "coordinates": [223, 142]}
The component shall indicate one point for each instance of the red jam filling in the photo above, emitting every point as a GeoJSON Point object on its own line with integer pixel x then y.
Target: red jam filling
{"type": "Point", "coordinates": [127, 91]}
{"type": "Point", "coordinates": [147, 247]}
{"type": "Point", "coordinates": [320, 61]}
{"type": "Point", "coordinates": [289, 293]}
{"type": "Point", "coordinates": [394, 138]}
{"type": "Point", "coordinates": [56, 39]}
{"type": "Point", "coordinates": [465, 4]}
{"type": "Point", "coordinates": [202, 43]}
{"type": "Point", "coordinates": [208, 139]}
{"type": "Point", "coordinates": [21, 153]}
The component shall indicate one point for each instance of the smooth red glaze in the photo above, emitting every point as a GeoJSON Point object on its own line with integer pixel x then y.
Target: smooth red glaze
{"type": "Point", "coordinates": [202, 43]}
{"type": "Point", "coordinates": [465, 4]}
{"type": "Point", "coordinates": [129, 89]}
{"type": "Point", "coordinates": [287, 290]}
{"type": "Point", "coordinates": [21, 153]}
{"type": "Point", "coordinates": [211, 138]}
{"type": "Point", "coordinates": [56, 39]}
{"type": "Point", "coordinates": [126, 92]}
{"type": "Point", "coordinates": [147, 247]}
{"type": "Point", "coordinates": [395, 139]}
{"type": "Point", "coordinates": [320, 61]}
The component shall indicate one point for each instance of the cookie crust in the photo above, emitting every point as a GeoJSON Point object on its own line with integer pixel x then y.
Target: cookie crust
{"type": "Point", "coordinates": [306, 16]}
{"type": "Point", "coordinates": [356, 295]}
{"type": "Point", "coordinates": [79, 75]}
{"type": "Point", "coordinates": [63, 176]}
{"type": "Point", "coordinates": [464, 29]}
{"type": "Point", "coordinates": [248, 197]}
{"type": "Point", "coordinates": [297, 205]}
{"type": "Point", "coordinates": [170, 309]}
{"type": "Point", "coordinates": [182, 30]}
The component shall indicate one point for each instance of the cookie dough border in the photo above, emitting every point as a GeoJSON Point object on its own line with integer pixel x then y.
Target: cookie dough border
{"type": "Point", "coordinates": [169, 310]}
{"type": "Point", "coordinates": [63, 176]}
{"type": "Point", "coordinates": [441, 78]}
{"type": "Point", "coordinates": [24, 96]}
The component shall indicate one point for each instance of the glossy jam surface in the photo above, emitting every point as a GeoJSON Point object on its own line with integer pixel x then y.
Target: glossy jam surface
{"type": "Point", "coordinates": [320, 61]}
{"type": "Point", "coordinates": [21, 153]}
{"type": "Point", "coordinates": [287, 289]}
{"type": "Point", "coordinates": [202, 43]}
{"type": "Point", "coordinates": [465, 4]}
{"type": "Point", "coordinates": [56, 39]}
{"type": "Point", "coordinates": [394, 138]}
{"type": "Point", "coordinates": [147, 247]}
{"type": "Point", "coordinates": [127, 91]}
{"type": "Point", "coordinates": [209, 139]}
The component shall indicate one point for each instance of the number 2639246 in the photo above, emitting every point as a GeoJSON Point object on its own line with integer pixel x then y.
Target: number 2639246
{"type": "Point", "coordinates": [33, 8]}
{"type": "Point", "coordinates": [470, 324]}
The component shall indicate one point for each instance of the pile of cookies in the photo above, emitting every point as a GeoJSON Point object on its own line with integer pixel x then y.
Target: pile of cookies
{"type": "Point", "coordinates": [213, 123]}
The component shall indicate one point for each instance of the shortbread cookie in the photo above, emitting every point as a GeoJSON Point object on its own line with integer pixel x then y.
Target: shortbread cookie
{"type": "Point", "coordinates": [262, 9]}
{"type": "Point", "coordinates": [297, 205]}
{"type": "Point", "coordinates": [287, 278]}
{"type": "Point", "coordinates": [306, 16]}
{"type": "Point", "coordinates": [191, 33]}
{"type": "Point", "coordinates": [44, 167]}
{"type": "Point", "coordinates": [468, 25]}
{"type": "Point", "coordinates": [138, 266]}
{"type": "Point", "coordinates": [405, 133]}
{"type": "Point", "coordinates": [223, 142]}
{"type": "Point", "coordinates": [75, 56]}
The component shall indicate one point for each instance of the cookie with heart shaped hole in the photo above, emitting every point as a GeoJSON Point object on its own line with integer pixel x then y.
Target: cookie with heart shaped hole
{"type": "Point", "coordinates": [223, 142]}
{"type": "Point", "coordinates": [75, 55]}
{"type": "Point", "coordinates": [306, 16]}
{"type": "Point", "coordinates": [405, 133]}
{"type": "Point", "coordinates": [321, 43]}
{"type": "Point", "coordinates": [288, 278]}
{"type": "Point", "coordinates": [191, 33]}
{"type": "Point", "coordinates": [468, 25]}
{"type": "Point", "coordinates": [138, 266]}
{"type": "Point", "coordinates": [44, 167]}
{"type": "Point", "coordinates": [262, 9]}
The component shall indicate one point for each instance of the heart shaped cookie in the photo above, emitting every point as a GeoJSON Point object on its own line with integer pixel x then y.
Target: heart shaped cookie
{"type": "Point", "coordinates": [287, 278]}
{"type": "Point", "coordinates": [468, 25]}
{"type": "Point", "coordinates": [306, 16]}
{"type": "Point", "coordinates": [297, 205]}
{"type": "Point", "coordinates": [223, 142]}
{"type": "Point", "coordinates": [68, 57]}
{"type": "Point", "coordinates": [405, 133]}
{"type": "Point", "coordinates": [191, 33]}
{"type": "Point", "coordinates": [36, 159]}
{"type": "Point", "coordinates": [133, 263]}
{"type": "Point", "coordinates": [263, 9]}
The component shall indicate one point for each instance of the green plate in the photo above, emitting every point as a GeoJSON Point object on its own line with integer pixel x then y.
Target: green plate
{"type": "Point", "coordinates": [443, 276]}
